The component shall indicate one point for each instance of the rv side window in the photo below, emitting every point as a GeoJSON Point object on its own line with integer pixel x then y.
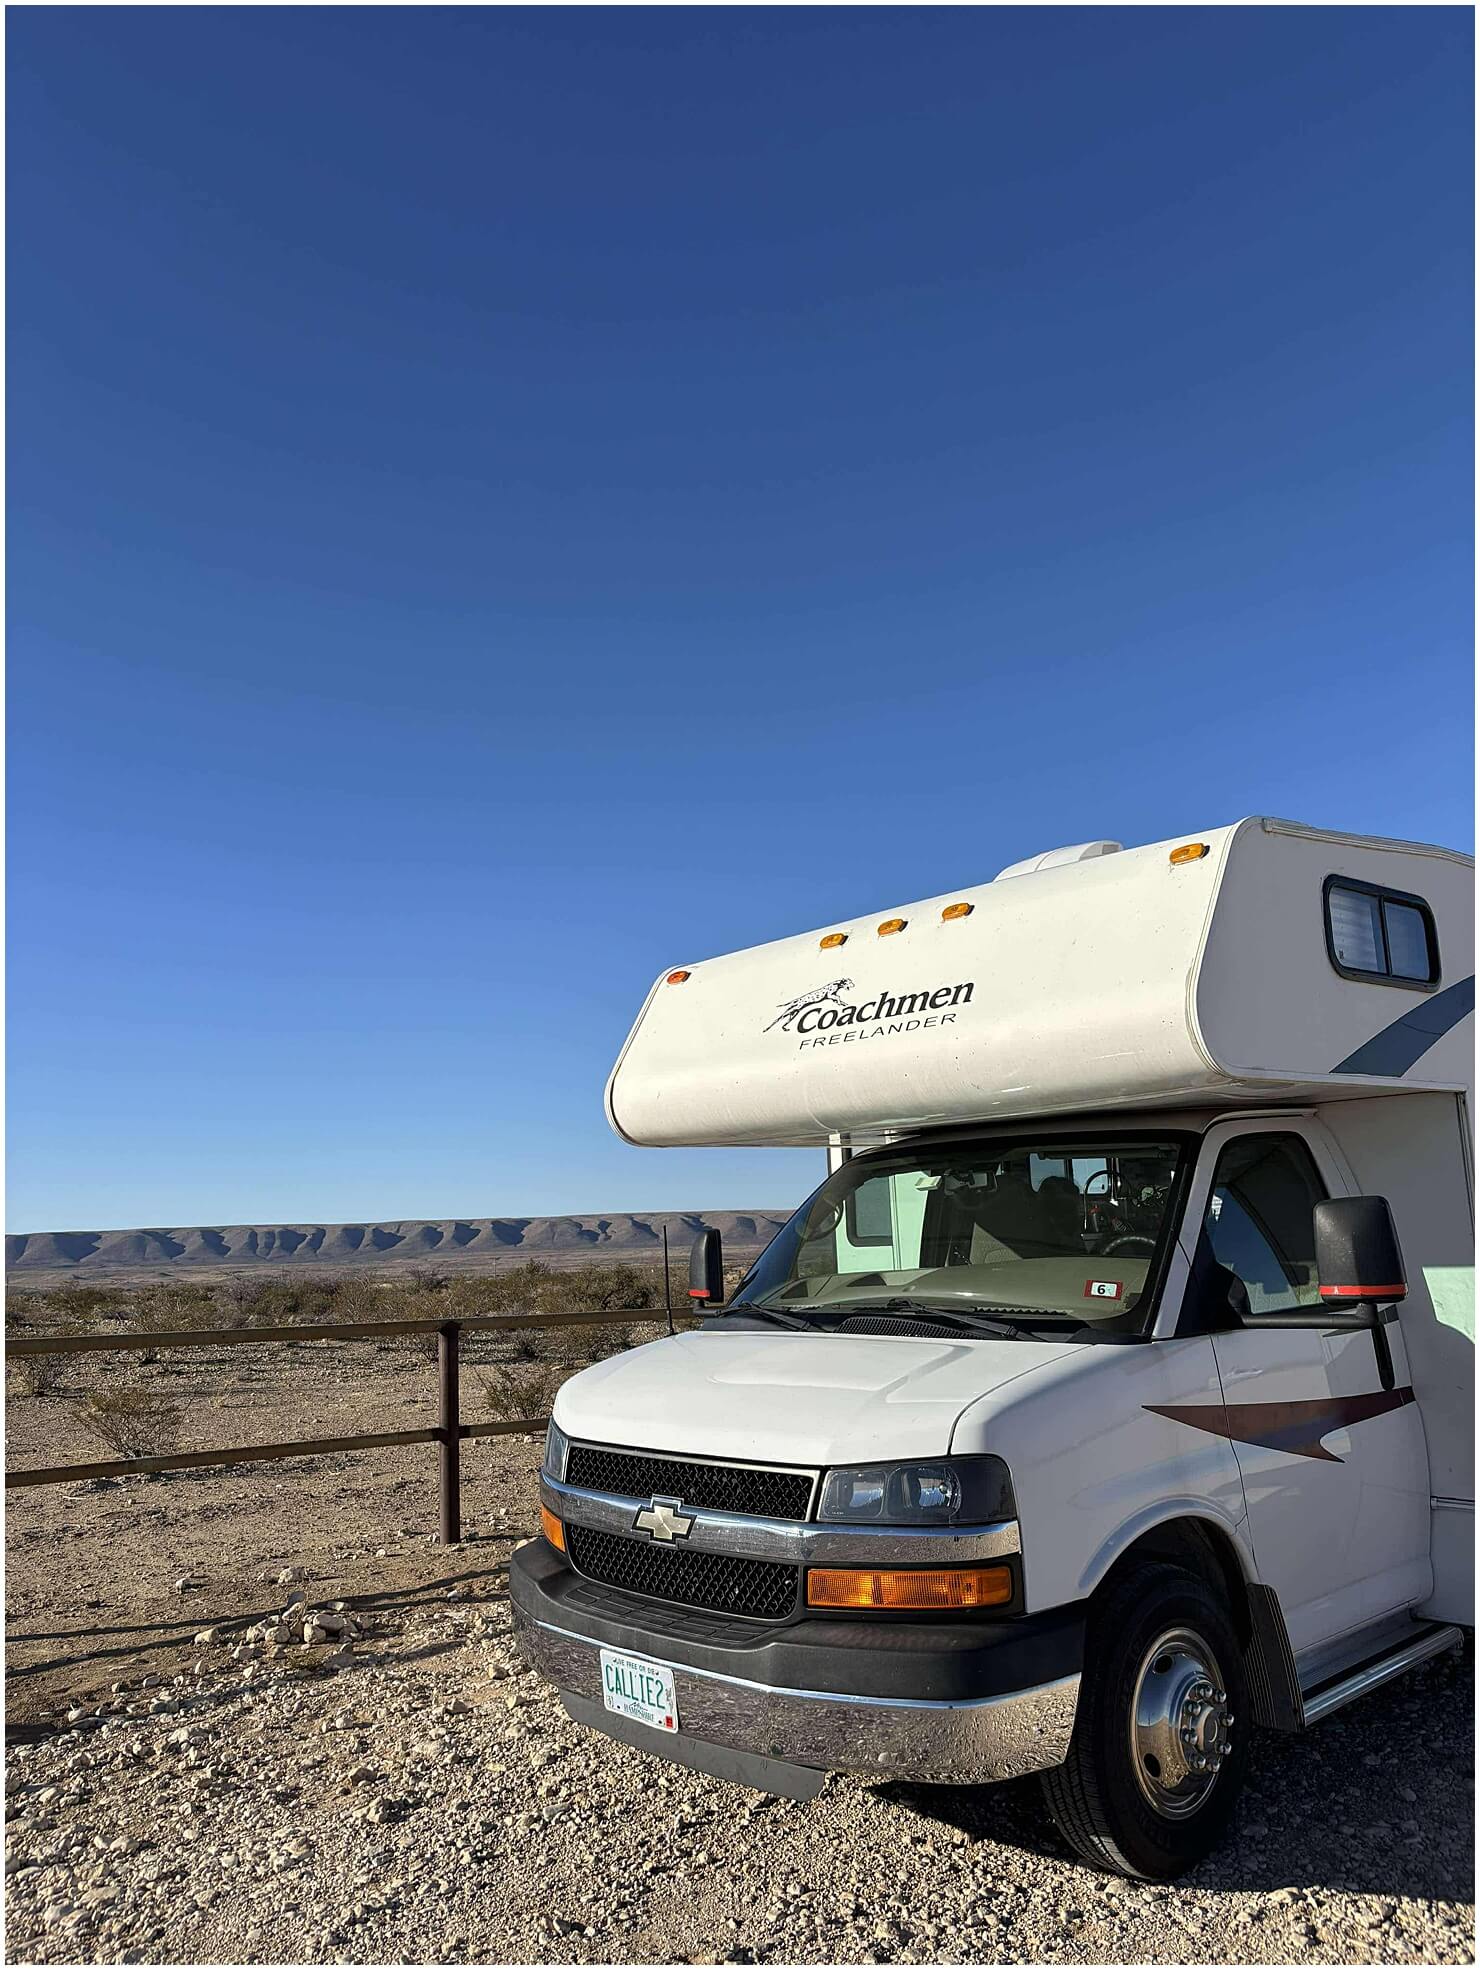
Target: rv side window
{"type": "Point", "coordinates": [1382, 935]}
{"type": "Point", "coordinates": [870, 1219]}
{"type": "Point", "coordinates": [1259, 1220]}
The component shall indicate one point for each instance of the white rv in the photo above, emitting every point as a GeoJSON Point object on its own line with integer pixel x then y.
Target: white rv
{"type": "Point", "coordinates": [1115, 1390]}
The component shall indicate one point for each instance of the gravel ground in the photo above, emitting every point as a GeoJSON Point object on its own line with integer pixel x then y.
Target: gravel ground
{"type": "Point", "coordinates": [409, 1794]}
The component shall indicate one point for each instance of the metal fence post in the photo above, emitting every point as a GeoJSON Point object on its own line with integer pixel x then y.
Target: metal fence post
{"type": "Point", "coordinates": [448, 1441]}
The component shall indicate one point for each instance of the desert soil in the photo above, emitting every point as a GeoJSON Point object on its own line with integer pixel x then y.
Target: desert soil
{"type": "Point", "coordinates": [414, 1796]}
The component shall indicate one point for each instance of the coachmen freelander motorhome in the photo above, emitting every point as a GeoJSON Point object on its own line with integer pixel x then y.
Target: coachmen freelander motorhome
{"type": "Point", "coordinates": [1113, 1393]}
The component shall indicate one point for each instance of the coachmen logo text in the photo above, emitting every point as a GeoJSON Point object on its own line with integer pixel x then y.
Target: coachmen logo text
{"type": "Point", "coordinates": [823, 1017]}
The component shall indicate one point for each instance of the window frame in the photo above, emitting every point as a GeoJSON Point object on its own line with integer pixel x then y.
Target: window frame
{"type": "Point", "coordinates": [1384, 896]}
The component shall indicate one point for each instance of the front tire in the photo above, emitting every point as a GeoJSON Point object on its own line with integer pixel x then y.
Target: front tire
{"type": "Point", "coordinates": [1161, 1739]}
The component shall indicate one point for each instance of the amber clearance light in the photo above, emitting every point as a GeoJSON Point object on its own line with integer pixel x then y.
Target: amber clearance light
{"type": "Point", "coordinates": [677, 977]}
{"type": "Point", "coordinates": [1190, 851]}
{"type": "Point", "coordinates": [918, 1588]}
{"type": "Point", "coordinates": [891, 925]}
{"type": "Point", "coordinates": [832, 940]}
{"type": "Point", "coordinates": [953, 911]}
{"type": "Point", "coordinates": [553, 1530]}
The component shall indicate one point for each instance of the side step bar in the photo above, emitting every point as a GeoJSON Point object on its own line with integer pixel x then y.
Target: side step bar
{"type": "Point", "coordinates": [1377, 1670]}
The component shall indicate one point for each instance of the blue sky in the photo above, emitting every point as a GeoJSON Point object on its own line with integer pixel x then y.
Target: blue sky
{"type": "Point", "coordinates": [501, 502]}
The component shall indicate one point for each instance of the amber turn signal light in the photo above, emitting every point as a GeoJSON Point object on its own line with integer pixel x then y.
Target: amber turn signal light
{"type": "Point", "coordinates": [918, 1588]}
{"type": "Point", "coordinates": [553, 1530]}
{"type": "Point", "coordinates": [890, 924]}
{"type": "Point", "coordinates": [677, 977]}
{"type": "Point", "coordinates": [1190, 851]}
{"type": "Point", "coordinates": [832, 940]}
{"type": "Point", "coordinates": [953, 910]}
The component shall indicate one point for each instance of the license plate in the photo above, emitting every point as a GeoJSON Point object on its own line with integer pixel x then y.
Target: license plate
{"type": "Point", "coordinates": [634, 1687]}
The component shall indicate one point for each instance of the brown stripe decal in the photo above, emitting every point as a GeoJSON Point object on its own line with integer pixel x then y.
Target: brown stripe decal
{"type": "Point", "coordinates": [1294, 1427]}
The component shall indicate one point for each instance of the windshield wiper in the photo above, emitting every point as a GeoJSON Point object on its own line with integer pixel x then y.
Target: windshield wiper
{"type": "Point", "coordinates": [973, 1318]}
{"type": "Point", "coordinates": [768, 1313]}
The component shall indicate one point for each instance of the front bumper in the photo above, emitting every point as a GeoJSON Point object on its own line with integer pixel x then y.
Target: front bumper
{"type": "Point", "coordinates": [948, 1702]}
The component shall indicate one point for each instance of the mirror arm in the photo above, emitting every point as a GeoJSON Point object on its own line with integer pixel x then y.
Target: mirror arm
{"type": "Point", "coordinates": [1348, 1317]}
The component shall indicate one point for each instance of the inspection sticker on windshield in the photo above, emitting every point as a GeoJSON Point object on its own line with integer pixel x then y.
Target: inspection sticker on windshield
{"type": "Point", "coordinates": [1102, 1289]}
{"type": "Point", "coordinates": [637, 1688]}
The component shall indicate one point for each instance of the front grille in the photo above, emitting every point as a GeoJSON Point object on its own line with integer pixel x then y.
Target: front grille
{"type": "Point", "coordinates": [761, 1589]}
{"type": "Point", "coordinates": [755, 1493]}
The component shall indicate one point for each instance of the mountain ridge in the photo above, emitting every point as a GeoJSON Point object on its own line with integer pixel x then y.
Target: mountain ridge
{"type": "Point", "coordinates": [389, 1242]}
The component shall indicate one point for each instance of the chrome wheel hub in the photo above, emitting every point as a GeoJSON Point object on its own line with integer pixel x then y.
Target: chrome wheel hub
{"type": "Point", "coordinates": [1181, 1725]}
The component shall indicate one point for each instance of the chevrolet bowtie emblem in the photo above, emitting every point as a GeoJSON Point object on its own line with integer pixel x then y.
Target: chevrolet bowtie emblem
{"type": "Point", "coordinates": [663, 1520]}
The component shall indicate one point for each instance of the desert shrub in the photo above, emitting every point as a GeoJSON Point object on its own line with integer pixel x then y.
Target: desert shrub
{"type": "Point", "coordinates": [531, 1343]}
{"type": "Point", "coordinates": [174, 1305]}
{"type": "Point", "coordinates": [407, 1300]}
{"type": "Point", "coordinates": [133, 1422]}
{"type": "Point", "coordinates": [235, 1300]}
{"type": "Point", "coordinates": [37, 1374]}
{"type": "Point", "coordinates": [66, 1308]}
{"type": "Point", "coordinates": [285, 1301]}
{"type": "Point", "coordinates": [24, 1311]}
{"type": "Point", "coordinates": [521, 1393]}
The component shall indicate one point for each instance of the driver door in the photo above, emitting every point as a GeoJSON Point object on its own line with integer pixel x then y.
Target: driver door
{"type": "Point", "coordinates": [1334, 1464]}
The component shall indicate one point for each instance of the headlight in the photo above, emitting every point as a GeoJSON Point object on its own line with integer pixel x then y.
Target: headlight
{"type": "Point", "coordinates": [557, 1450]}
{"type": "Point", "coordinates": [944, 1491]}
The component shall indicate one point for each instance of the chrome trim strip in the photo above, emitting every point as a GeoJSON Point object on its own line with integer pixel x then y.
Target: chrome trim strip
{"type": "Point", "coordinates": [1375, 1674]}
{"type": "Point", "coordinates": [792, 1542]}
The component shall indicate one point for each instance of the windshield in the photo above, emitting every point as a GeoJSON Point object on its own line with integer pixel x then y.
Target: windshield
{"type": "Point", "coordinates": [1016, 1233]}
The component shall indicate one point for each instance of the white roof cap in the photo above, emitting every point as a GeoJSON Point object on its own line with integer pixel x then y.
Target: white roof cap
{"type": "Point", "coordinates": [1058, 858]}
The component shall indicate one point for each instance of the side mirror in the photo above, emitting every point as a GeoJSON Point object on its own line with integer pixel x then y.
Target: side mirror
{"type": "Point", "coordinates": [707, 1269]}
{"type": "Point", "coordinates": [1358, 1260]}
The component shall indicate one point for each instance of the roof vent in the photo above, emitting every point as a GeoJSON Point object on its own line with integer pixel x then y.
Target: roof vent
{"type": "Point", "coordinates": [1059, 858]}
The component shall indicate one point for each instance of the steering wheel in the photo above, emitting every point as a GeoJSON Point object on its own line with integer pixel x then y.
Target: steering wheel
{"type": "Point", "coordinates": [1131, 1242]}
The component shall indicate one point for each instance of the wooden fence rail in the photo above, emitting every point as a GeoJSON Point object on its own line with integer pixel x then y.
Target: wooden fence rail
{"type": "Point", "coordinates": [449, 1433]}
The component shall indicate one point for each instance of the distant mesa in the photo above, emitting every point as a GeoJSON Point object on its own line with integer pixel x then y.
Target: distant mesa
{"type": "Point", "coordinates": [451, 1243]}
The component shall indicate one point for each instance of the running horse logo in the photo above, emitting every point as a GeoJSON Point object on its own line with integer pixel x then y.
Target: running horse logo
{"type": "Point", "coordinates": [794, 1008]}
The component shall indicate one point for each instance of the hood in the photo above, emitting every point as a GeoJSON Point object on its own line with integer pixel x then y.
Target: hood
{"type": "Point", "coordinates": [789, 1398]}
